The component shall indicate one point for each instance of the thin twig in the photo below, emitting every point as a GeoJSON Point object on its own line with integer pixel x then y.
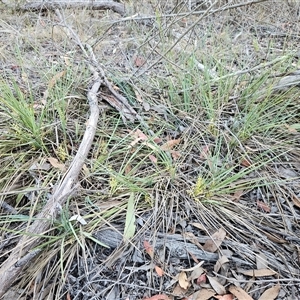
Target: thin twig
{"type": "Point", "coordinates": [119, 102]}
{"type": "Point", "coordinates": [178, 40]}
{"type": "Point", "coordinates": [137, 17]}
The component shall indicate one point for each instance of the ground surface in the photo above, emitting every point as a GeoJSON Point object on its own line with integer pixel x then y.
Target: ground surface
{"type": "Point", "coordinates": [209, 173]}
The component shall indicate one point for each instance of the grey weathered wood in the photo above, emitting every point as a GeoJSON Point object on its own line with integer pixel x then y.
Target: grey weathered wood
{"type": "Point", "coordinates": [55, 4]}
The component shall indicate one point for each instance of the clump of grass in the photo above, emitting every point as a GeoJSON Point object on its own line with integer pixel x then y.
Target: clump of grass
{"type": "Point", "coordinates": [25, 127]}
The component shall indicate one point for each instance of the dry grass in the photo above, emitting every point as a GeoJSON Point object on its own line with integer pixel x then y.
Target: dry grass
{"type": "Point", "coordinates": [233, 161]}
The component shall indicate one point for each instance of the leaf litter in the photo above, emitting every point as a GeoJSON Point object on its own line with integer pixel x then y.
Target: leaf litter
{"type": "Point", "coordinates": [175, 221]}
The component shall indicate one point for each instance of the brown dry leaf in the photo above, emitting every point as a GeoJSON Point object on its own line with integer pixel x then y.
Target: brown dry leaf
{"type": "Point", "coordinates": [263, 206]}
{"type": "Point", "coordinates": [196, 273]}
{"type": "Point", "coordinates": [149, 249]}
{"type": "Point", "coordinates": [225, 297]}
{"type": "Point", "coordinates": [201, 279]}
{"type": "Point", "coordinates": [258, 273]}
{"type": "Point", "coordinates": [158, 297]}
{"type": "Point", "coordinates": [271, 293]}
{"type": "Point", "coordinates": [221, 261]}
{"type": "Point", "coordinates": [54, 163]}
{"type": "Point", "coordinates": [245, 163]}
{"type": "Point", "coordinates": [239, 293]}
{"type": "Point", "coordinates": [175, 154]}
{"type": "Point", "coordinates": [153, 158]}
{"type": "Point", "coordinates": [179, 291]}
{"type": "Point", "coordinates": [138, 136]}
{"type": "Point", "coordinates": [237, 195]}
{"type": "Point", "coordinates": [139, 61]}
{"type": "Point", "coordinates": [218, 287]}
{"type": "Point", "coordinates": [215, 242]}
{"type": "Point", "coordinates": [296, 200]}
{"type": "Point", "coordinates": [138, 133]}
{"type": "Point", "coordinates": [203, 294]}
{"type": "Point", "coordinates": [160, 272]}
{"type": "Point", "coordinates": [199, 226]}
{"type": "Point", "coordinates": [182, 280]}
{"type": "Point", "coordinates": [169, 145]}
{"type": "Point", "coordinates": [55, 78]}
{"type": "Point", "coordinates": [128, 169]}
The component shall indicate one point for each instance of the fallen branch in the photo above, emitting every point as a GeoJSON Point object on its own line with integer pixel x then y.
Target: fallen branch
{"type": "Point", "coordinates": [38, 5]}
{"type": "Point", "coordinates": [24, 252]}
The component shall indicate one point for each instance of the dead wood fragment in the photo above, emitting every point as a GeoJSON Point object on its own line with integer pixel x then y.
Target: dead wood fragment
{"type": "Point", "coordinates": [95, 5]}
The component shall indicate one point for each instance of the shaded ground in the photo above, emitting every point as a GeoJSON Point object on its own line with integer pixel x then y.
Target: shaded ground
{"type": "Point", "coordinates": [218, 158]}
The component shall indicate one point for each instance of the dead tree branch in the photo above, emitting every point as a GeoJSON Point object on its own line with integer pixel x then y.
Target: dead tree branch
{"type": "Point", "coordinates": [52, 5]}
{"type": "Point", "coordinates": [24, 252]}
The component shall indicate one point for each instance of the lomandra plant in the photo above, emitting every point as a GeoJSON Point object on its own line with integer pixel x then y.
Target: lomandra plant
{"type": "Point", "coordinates": [17, 110]}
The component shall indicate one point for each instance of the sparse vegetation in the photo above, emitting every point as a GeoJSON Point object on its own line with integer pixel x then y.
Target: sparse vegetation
{"type": "Point", "coordinates": [215, 147]}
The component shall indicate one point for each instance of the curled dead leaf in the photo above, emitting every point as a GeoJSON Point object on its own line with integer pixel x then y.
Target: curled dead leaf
{"type": "Point", "coordinates": [215, 242]}
{"type": "Point", "coordinates": [182, 280]}
{"type": "Point", "coordinates": [55, 78]}
{"type": "Point", "coordinates": [149, 249]}
{"type": "Point", "coordinates": [216, 285]}
{"type": "Point", "coordinates": [263, 206]}
{"type": "Point", "coordinates": [160, 272]}
{"type": "Point", "coordinates": [271, 293]}
{"type": "Point", "coordinates": [239, 293]}
{"type": "Point", "coordinates": [169, 145]}
{"type": "Point", "coordinates": [221, 261]}
{"type": "Point", "coordinates": [54, 163]}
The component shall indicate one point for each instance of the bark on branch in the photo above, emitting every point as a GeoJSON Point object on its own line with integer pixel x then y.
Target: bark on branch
{"type": "Point", "coordinates": [38, 5]}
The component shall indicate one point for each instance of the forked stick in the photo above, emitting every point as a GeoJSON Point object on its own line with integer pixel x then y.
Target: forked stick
{"type": "Point", "coordinates": [27, 247]}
